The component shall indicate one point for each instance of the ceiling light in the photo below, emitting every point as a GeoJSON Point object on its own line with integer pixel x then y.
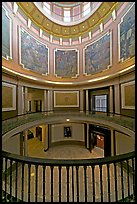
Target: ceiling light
{"type": "Point", "coordinates": [83, 26]}
{"type": "Point", "coordinates": [74, 29]}
{"type": "Point", "coordinates": [47, 24]}
{"type": "Point", "coordinates": [67, 119]}
{"type": "Point", "coordinates": [103, 9]}
{"type": "Point", "coordinates": [93, 19]}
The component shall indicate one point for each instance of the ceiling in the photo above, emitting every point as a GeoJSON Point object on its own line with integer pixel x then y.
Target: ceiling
{"type": "Point", "coordinates": [55, 29]}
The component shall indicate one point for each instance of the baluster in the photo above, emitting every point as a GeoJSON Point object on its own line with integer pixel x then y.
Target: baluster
{"type": "Point", "coordinates": [72, 184]}
{"type": "Point", "coordinates": [108, 175]}
{"type": "Point", "coordinates": [128, 180]}
{"type": "Point", "coordinates": [29, 178]}
{"type": "Point", "coordinates": [85, 178]}
{"type": "Point", "coordinates": [115, 177]}
{"type": "Point", "coordinates": [22, 181]}
{"type": "Point", "coordinates": [122, 184]}
{"type": "Point", "coordinates": [133, 174]}
{"type": "Point", "coordinates": [101, 186]}
{"type": "Point", "coordinates": [67, 183]}
{"type": "Point", "coordinates": [16, 182]}
{"type": "Point", "coordinates": [51, 183]}
{"type": "Point", "coordinates": [44, 168]}
{"type": "Point", "coordinates": [77, 182]}
{"type": "Point", "coordinates": [6, 179]}
{"type": "Point", "coordinates": [36, 183]}
{"type": "Point", "coordinates": [93, 182]}
{"type": "Point", "coordinates": [60, 183]}
{"type": "Point", "coordinates": [11, 180]}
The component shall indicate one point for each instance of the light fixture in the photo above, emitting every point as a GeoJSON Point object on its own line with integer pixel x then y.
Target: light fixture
{"type": "Point", "coordinates": [67, 119]}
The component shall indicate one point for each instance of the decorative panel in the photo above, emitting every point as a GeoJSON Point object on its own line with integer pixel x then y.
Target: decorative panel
{"type": "Point", "coordinates": [126, 35]}
{"type": "Point", "coordinates": [6, 35]}
{"type": "Point", "coordinates": [34, 55]}
{"type": "Point", "coordinates": [66, 63]}
{"type": "Point", "coordinates": [66, 98]}
{"type": "Point", "coordinates": [128, 95]}
{"type": "Point", "coordinates": [97, 56]}
{"type": "Point", "coordinates": [8, 97]}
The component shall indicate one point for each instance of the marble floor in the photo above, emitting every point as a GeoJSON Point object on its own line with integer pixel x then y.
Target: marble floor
{"type": "Point", "coordinates": [36, 149]}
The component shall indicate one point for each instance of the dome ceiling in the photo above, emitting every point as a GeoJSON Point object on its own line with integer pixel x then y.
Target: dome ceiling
{"type": "Point", "coordinates": [66, 31]}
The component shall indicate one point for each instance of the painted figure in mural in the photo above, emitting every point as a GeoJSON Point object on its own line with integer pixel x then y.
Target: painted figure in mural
{"type": "Point", "coordinates": [127, 35]}
{"type": "Point", "coordinates": [95, 57]}
{"type": "Point", "coordinates": [34, 55]}
{"type": "Point", "coordinates": [66, 63]}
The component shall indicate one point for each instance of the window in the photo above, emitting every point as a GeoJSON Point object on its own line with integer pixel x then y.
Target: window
{"type": "Point", "coordinates": [66, 15]}
{"type": "Point", "coordinates": [46, 7]}
{"type": "Point", "coordinates": [101, 103]}
{"type": "Point", "coordinates": [86, 9]}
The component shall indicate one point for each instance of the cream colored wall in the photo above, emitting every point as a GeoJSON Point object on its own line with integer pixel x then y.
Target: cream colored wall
{"type": "Point", "coordinates": [58, 132]}
{"type": "Point", "coordinates": [12, 145]}
{"type": "Point", "coordinates": [124, 144]}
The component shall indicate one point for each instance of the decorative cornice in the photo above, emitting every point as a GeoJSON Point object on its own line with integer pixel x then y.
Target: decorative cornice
{"type": "Point", "coordinates": [52, 28]}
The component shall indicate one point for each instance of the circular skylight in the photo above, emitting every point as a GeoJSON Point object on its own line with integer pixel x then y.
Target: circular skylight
{"type": "Point", "coordinates": [67, 13]}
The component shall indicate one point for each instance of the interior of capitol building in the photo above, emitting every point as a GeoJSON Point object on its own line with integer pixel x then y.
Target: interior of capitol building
{"type": "Point", "coordinates": [68, 102]}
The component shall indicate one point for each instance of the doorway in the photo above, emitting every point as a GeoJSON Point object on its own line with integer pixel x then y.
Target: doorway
{"type": "Point", "coordinates": [38, 105]}
{"type": "Point", "coordinates": [100, 137]}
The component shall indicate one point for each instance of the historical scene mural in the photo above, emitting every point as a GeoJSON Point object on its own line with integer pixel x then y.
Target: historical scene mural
{"type": "Point", "coordinates": [95, 57]}
{"type": "Point", "coordinates": [127, 35]}
{"type": "Point", "coordinates": [34, 54]}
{"type": "Point", "coordinates": [5, 34]}
{"type": "Point", "coordinates": [66, 63]}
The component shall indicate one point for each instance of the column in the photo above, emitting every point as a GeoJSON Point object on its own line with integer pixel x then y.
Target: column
{"type": "Point", "coordinates": [87, 136]}
{"type": "Point", "coordinates": [50, 100]}
{"type": "Point", "coordinates": [112, 142]}
{"type": "Point", "coordinates": [87, 102]}
{"type": "Point", "coordinates": [117, 98]}
{"type": "Point", "coordinates": [26, 143]}
{"type": "Point", "coordinates": [111, 99]}
{"type": "Point", "coordinates": [81, 100]}
{"type": "Point", "coordinates": [20, 100]}
{"type": "Point", "coordinates": [45, 137]}
{"type": "Point", "coordinates": [45, 101]}
{"type": "Point", "coordinates": [34, 131]}
{"type": "Point", "coordinates": [21, 143]}
{"type": "Point", "coordinates": [26, 100]}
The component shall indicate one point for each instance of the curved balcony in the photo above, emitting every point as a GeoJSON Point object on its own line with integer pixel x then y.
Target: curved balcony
{"type": "Point", "coordinates": [27, 179]}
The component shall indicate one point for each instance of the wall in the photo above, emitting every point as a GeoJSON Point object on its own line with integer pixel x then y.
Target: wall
{"type": "Point", "coordinates": [12, 145]}
{"type": "Point", "coordinates": [124, 144]}
{"type": "Point", "coordinates": [57, 134]}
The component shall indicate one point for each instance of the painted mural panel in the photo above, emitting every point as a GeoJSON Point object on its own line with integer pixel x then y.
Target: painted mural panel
{"type": "Point", "coordinates": [66, 63]}
{"type": "Point", "coordinates": [127, 35]}
{"type": "Point", "coordinates": [34, 54]}
{"type": "Point", "coordinates": [6, 24]}
{"type": "Point", "coordinates": [97, 55]}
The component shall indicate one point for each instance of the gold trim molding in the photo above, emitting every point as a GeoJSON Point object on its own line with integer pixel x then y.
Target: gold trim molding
{"type": "Point", "coordinates": [37, 17]}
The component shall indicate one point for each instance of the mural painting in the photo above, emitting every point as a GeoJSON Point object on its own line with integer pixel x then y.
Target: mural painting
{"type": "Point", "coordinates": [66, 63]}
{"type": "Point", "coordinates": [127, 35]}
{"type": "Point", "coordinates": [95, 57]}
{"type": "Point", "coordinates": [34, 54]}
{"type": "Point", "coordinates": [6, 24]}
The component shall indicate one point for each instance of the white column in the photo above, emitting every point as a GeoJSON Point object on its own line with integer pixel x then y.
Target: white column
{"type": "Point", "coordinates": [81, 100]}
{"type": "Point", "coordinates": [117, 98]}
{"type": "Point", "coordinates": [87, 102]}
{"type": "Point", "coordinates": [111, 99]}
{"type": "Point", "coordinates": [20, 100]}
{"type": "Point", "coordinates": [26, 143]}
{"type": "Point", "coordinates": [26, 100]}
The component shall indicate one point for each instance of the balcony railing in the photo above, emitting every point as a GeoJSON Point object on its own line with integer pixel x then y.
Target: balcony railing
{"type": "Point", "coordinates": [27, 179]}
